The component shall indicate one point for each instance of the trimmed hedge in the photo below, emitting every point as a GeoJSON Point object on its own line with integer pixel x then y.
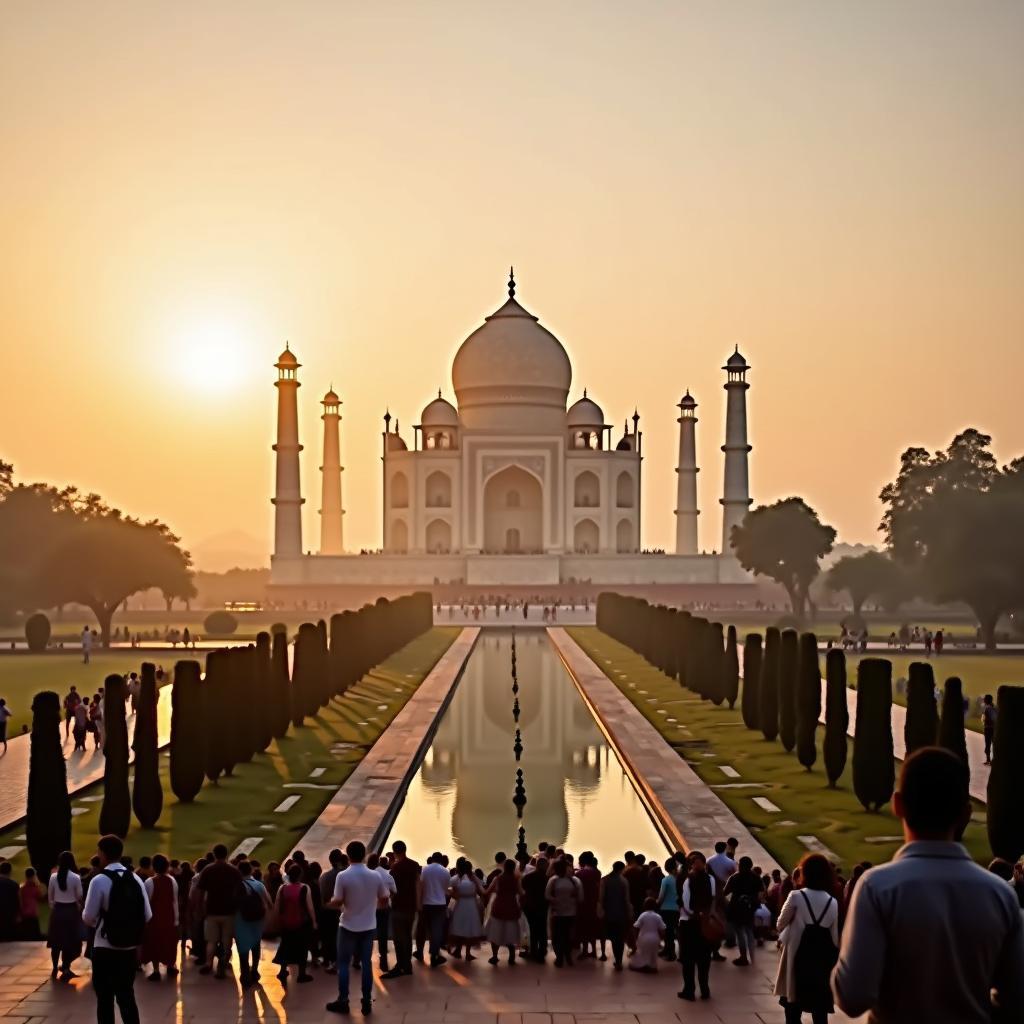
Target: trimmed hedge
{"type": "Point", "coordinates": [731, 669]}
{"type": "Point", "coordinates": [788, 657]}
{"type": "Point", "coordinates": [750, 701]}
{"type": "Point", "coordinates": [48, 809]}
{"type": "Point", "coordinates": [769, 684]}
{"type": "Point", "coordinates": [921, 726]}
{"type": "Point", "coordinates": [808, 700]}
{"type": "Point", "coordinates": [874, 772]}
{"type": "Point", "coordinates": [37, 632]}
{"type": "Point", "coordinates": [220, 623]}
{"type": "Point", "coordinates": [837, 716]}
{"type": "Point", "coordinates": [116, 812]}
{"type": "Point", "coordinates": [188, 731]}
{"type": "Point", "coordinates": [147, 790]}
{"type": "Point", "coordinates": [951, 725]}
{"type": "Point", "coordinates": [1005, 792]}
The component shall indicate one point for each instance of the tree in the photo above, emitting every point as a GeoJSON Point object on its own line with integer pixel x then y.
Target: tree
{"type": "Point", "coordinates": [922, 722]}
{"type": "Point", "coordinates": [951, 725]}
{"type": "Point", "coordinates": [262, 696]}
{"type": "Point", "coordinates": [280, 687]}
{"type": "Point", "coordinates": [48, 810]}
{"type": "Point", "coordinates": [731, 669]}
{"type": "Point", "coordinates": [1005, 794]}
{"type": "Point", "coordinates": [871, 574]}
{"type": "Point", "coordinates": [188, 732]}
{"type": "Point", "coordinates": [116, 812]}
{"type": "Point", "coordinates": [874, 773]}
{"type": "Point", "coordinates": [304, 669]}
{"type": "Point", "coordinates": [147, 790]}
{"type": "Point", "coordinates": [769, 684]}
{"type": "Point", "coordinates": [837, 716]}
{"type": "Point", "coordinates": [715, 664]}
{"type": "Point", "coordinates": [808, 700]}
{"type": "Point", "coordinates": [750, 704]}
{"type": "Point", "coordinates": [217, 701]}
{"type": "Point", "coordinates": [788, 656]}
{"type": "Point", "coordinates": [785, 542]}
{"type": "Point", "coordinates": [37, 632]}
{"type": "Point", "coordinates": [953, 517]}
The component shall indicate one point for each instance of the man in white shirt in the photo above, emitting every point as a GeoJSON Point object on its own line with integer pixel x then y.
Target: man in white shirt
{"type": "Point", "coordinates": [357, 891]}
{"type": "Point", "coordinates": [378, 863]}
{"type": "Point", "coordinates": [117, 915]}
{"type": "Point", "coordinates": [721, 866]}
{"type": "Point", "coordinates": [434, 882]}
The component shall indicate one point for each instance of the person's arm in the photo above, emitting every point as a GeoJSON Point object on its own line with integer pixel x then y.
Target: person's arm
{"type": "Point", "coordinates": [1008, 980]}
{"type": "Point", "coordinates": [147, 907]}
{"type": "Point", "coordinates": [94, 900]}
{"type": "Point", "coordinates": [684, 898]}
{"type": "Point", "coordinates": [549, 889]}
{"type": "Point", "coordinates": [310, 909]}
{"type": "Point", "coordinates": [174, 893]}
{"type": "Point", "coordinates": [788, 912]}
{"type": "Point", "coordinates": [338, 899]}
{"type": "Point", "coordinates": [857, 977]}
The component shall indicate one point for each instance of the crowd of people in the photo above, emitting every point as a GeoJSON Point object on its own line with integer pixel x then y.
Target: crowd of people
{"type": "Point", "coordinates": [929, 936]}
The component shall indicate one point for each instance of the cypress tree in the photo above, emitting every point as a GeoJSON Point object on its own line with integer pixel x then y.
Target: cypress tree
{"type": "Point", "coordinates": [188, 732]}
{"type": "Point", "coordinates": [684, 622]}
{"type": "Point", "coordinates": [116, 812]}
{"type": "Point", "coordinates": [874, 774]}
{"type": "Point", "coordinates": [808, 700]}
{"type": "Point", "coordinates": [716, 664]}
{"type": "Point", "coordinates": [244, 704]}
{"type": "Point", "coordinates": [951, 726]}
{"type": "Point", "coordinates": [324, 689]}
{"type": "Point", "coordinates": [695, 655]}
{"type": "Point", "coordinates": [731, 669]}
{"type": "Point", "coordinates": [262, 696]}
{"type": "Point", "coordinates": [1005, 792]}
{"type": "Point", "coordinates": [788, 652]}
{"type": "Point", "coordinates": [921, 726]}
{"type": "Point", "coordinates": [750, 701]}
{"type": "Point", "coordinates": [147, 791]}
{"type": "Point", "coordinates": [769, 684]}
{"type": "Point", "coordinates": [280, 687]}
{"type": "Point", "coordinates": [48, 810]}
{"type": "Point", "coordinates": [837, 716]}
{"type": "Point", "coordinates": [303, 671]}
{"type": "Point", "coordinates": [218, 710]}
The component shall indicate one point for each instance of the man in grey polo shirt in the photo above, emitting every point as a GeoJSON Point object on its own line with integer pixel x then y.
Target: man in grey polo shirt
{"type": "Point", "coordinates": [931, 935]}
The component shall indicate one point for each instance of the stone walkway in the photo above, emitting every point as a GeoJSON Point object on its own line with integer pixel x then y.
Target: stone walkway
{"type": "Point", "coordinates": [366, 805]}
{"type": "Point", "coordinates": [458, 993]}
{"type": "Point", "coordinates": [690, 812]}
{"type": "Point", "coordinates": [83, 768]}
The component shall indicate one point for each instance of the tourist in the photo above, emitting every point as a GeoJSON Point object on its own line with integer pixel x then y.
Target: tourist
{"type": "Point", "coordinates": [696, 902]}
{"type": "Point", "coordinates": [668, 906]}
{"type": "Point", "coordinates": [650, 929]}
{"type": "Point", "coordinates": [253, 906]}
{"type": "Point", "coordinates": [563, 893]}
{"type": "Point", "coordinates": [71, 701]}
{"type": "Point", "coordinates": [118, 913]}
{"type": "Point", "coordinates": [96, 721]}
{"type": "Point", "coordinates": [65, 898]}
{"type": "Point", "coordinates": [327, 922]}
{"type": "Point", "coordinates": [616, 911]}
{"type": "Point", "coordinates": [358, 891]}
{"type": "Point", "coordinates": [30, 893]}
{"type": "Point", "coordinates": [160, 945]}
{"type": "Point", "coordinates": [183, 875]}
{"type": "Point", "coordinates": [741, 895]}
{"type": "Point", "coordinates": [809, 935]}
{"type": "Point", "coordinates": [311, 873]}
{"type": "Point", "coordinates": [465, 926]}
{"type": "Point", "coordinates": [406, 874]}
{"type": "Point", "coordinates": [10, 904]}
{"type": "Point", "coordinates": [434, 882]}
{"type": "Point", "coordinates": [82, 723]}
{"type": "Point", "coordinates": [86, 645]}
{"type": "Point", "coordinates": [939, 642]}
{"type": "Point", "coordinates": [378, 863]}
{"type": "Point", "coordinates": [506, 911]}
{"type": "Point", "coordinates": [989, 714]}
{"type": "Point", "coordinates": [722, 867]}
{"type": "Point", "coordinates": [5, 715]}
{"type": "Point", "coordinates": [295, 917]}
{"type": "Point", "coordinates": [587, 924]}
{"type": "Point", "coordinates": [535, 907]}
{"type": "Point", "coordinates": [931, 934]}
{"type": "Point", "coordinates": [219, 884]}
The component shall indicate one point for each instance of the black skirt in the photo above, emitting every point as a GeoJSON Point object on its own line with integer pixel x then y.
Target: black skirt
{"type": "Point", "coordinates": [65, 933]}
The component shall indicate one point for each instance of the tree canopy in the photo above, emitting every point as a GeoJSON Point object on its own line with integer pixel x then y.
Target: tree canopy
{"type": "Point", "coordinates": [870, 575]}
{"type": "Point", "coordinates": [785, 542]}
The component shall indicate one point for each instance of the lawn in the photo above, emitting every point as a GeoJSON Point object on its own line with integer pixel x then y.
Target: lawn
{"type": "Point", "coordinates": [23, 675]}
{"type": "Point", "coordinates": [708, 738]}
{"type": "Point", "coordinates": [243, 806]}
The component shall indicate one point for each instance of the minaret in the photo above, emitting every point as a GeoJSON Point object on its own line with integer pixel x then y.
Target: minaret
{"type": "Point", "coordinates": [287, 498]}
{"type": "Point", "coordinates": [736, 490]}
{"type": "Point", "coordinates": [686, 484]}
{"type": "Point", "coordinates": [330, 494]}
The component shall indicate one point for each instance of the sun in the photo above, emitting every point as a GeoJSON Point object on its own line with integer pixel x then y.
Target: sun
{"type": "Point", "coordinates": [211, 357]}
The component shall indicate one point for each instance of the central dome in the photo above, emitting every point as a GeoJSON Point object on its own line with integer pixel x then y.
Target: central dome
{"type": "Point", "coordinates": [510, 370]}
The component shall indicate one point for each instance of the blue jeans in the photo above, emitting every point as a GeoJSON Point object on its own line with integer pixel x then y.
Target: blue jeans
{"type": "Point", "coordinates": [361, 945]}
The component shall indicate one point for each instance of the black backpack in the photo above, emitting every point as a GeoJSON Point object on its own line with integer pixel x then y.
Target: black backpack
{"type": "Point", "coordinates": [250, 904]}
{"type": "Point", "coordinates": [815, 957]}
{"type": "Point", "coordinates": [124, 919]}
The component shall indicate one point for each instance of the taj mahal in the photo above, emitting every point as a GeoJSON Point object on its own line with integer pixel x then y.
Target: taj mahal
{"type": "Point", "coordinates": [510, 485]}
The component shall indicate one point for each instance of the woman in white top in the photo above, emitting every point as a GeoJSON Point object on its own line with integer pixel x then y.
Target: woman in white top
{"type": "Point", "coordinates": [812, 907]}
{"type": "Point", "coordinates": [696, 897]}
{"type": "Point", "coordinates": [650, 930]}
{"type": "Point", "coordinates": [465, 926]}
{"type": "Point", "coordinates": [65, 896]}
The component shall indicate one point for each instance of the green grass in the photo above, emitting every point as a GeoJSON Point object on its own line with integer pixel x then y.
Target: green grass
{"type": "Point", "coordinates": [708, 737]}
{"type": "Point", "coordinates": [24, 675]}
{"type": "Point", "coordinates": [236, 808]}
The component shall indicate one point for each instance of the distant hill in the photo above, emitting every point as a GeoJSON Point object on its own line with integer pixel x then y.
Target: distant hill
{"type": "Point", "coordinates": [233, 549]}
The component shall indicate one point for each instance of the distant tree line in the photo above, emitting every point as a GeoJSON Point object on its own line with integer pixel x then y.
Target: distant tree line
{"type": "Point", "coordinates": [247, 699]}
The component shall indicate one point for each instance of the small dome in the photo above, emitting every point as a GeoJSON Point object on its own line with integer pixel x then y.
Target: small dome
{"type": "Point", "coordinates": [688, 401]}
{"type": "Point", "coordinates": [287, 359]}
{"type": "Point", "coordinates": [624, 445]}
{"type": "Point", "coordinates": [395, 443]}
{"type": "Point", "coordinates": [736, 361]}
{"type": "Point", "coordinates": [439, 413]}
{"type": "Point", "coordinates": [331, 398]}
{"type": "Point", "coordinates": [585, 413]}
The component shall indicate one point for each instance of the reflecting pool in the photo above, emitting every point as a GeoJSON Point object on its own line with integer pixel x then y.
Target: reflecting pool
{"type": "Point", "coordinates": [577, 795]}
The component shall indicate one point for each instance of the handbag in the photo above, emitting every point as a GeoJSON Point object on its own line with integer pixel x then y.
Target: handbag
{"type": "Point", "coordinates": [712, 927]}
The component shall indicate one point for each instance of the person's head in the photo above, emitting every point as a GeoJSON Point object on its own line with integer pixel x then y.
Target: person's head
{"type": "Point", "coordinates": [463, 867]}
{"type": "Point", "coordinates": [220, 852]}
{"type": "Point", "coordinates": [500, 857]}
{"type": "Point", "coordinates": [273, 868]}
{"type": "Point", "coordinates": [160, 864]}
{"type": "Point", "coordinates": [697, 862]}
{"type": "Point", "coordinates": [356, 852]}
{"type": "Point", "coordinates": [641, 860]}
{"type": "Point", "coordinates": [629, 857]}
{"type": "Point", "coordinates": [437, 857]}
{"type": "Point", "coordinates": [373, 861]}
{"type": "Point", "coordinates": [5, 869]}
{"type": "Point", "coordinates": [66, 863]}
{"type": "Point", "coordinates": [109, 850]}
{"type": "Point", "coordinates": [30, 874]}
{"type": "Point", "coordinates": [618, 867]}
{"type": "Point", "coordinates": [671, 866]}
{"type": "Point", "coordinates": [509, 866]}
{"type": "Point", "coordinates": [560, 867]}
{"type": "Point", "coordinates": [245, 869]}
{"type": "Point", "coordinates": [816, 872]}
{"type": "Point", "coordinates": [745, 865]}
{"type": "Point", "coordinates": [299, 857]}
{"type": "Point", "coordinates": [720, 847]}
{"type": "Point", "coordinates": [294, 872]}
{"type": "Point", "coordinates": [334, 857]}
{"type": "Point", "coordinates": [145, 863]}
{"type": "Point", "coordinates": [398, 848]}
{"type": "Point", "coordinates": [933, 797]}
{"type": "Point", "coordinates": [776, 875]}
{"type": "Point", "coordinates": [650, 903]}
{"type": "Point", "coordinates": [988, 699]}
{"type": "Point", "coordinates": [1001, 869]}
{"type": "Point", "coordinates": [731, 845]}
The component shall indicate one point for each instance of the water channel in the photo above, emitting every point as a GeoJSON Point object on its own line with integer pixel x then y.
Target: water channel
{"type": "Point", "coordinates": [577, 794]}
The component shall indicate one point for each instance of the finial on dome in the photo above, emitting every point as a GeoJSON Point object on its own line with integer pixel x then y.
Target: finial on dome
{"type": "Point", "coordinates": [584, 392]}
{"type": "Point", "coordinates": [511, 282]}
{"type": "Point", "coordinates": [438, 392]}
{"type": "Point", "coordinates": [387, 418]}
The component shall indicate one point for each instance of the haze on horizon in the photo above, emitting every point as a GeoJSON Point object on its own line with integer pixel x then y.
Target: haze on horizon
{"type": "Point", "coordinates": [835, 186]}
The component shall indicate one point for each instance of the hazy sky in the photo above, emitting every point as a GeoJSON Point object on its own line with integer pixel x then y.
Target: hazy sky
{"type": "Point", "coordinates": [837, 186]}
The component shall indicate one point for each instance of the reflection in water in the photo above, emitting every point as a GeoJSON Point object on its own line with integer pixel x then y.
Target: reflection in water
{"type": "Point", "coordinates": [461, 799]}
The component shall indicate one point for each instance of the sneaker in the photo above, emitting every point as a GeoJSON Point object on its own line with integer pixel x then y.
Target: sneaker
{"type": "Point", "coordinates": [366, 1007]}
{"type": "Point", "coordinates": [741, 961]}
{"type": "Point", "coordinates": [395, 972]}
{"type": "Point", "coordinates": [688, 996]}
{"type": "Point", "coordinates": [418, 955]}
{"type": "Point", "coordinates": [338, 1006]}
{"type": "Point", "coordinates": [437, 961]}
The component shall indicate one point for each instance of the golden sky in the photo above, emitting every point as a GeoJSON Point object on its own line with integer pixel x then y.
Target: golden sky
{"type": "Point", "coordinates": [836, 186]}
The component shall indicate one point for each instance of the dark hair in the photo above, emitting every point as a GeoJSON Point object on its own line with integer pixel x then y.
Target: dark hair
{"type": "Point", "coordinates": [650, 903]}
{"type": "Point", "coordinates": [746, 864]}
{"type": "Point", "coordinates": [160, 864]}
{"type": "Point", "coordinates": [508, 866]}
{"type": "Point", "coordinates": [294, 872]}
{"type": "Point", "coordinates": [670, 865]}
{"type": "Point", "coordinates": [65, 863]}
{"type": "Point", "coordinates": [111, 847]}
{"type": "Point", "coordinates": [816, 872]}
{"type": "Point", "coordinates": [334, 857]}
{"type": "Point", "coordinates": [618, 866]}
{"type": "Point", "coordinates": [719, 847]}
{"type": "Point", "coordinates": [220, 852]}
{"type": "Point", "coordinates": [934, 790]}
{"type": "Point", "coordinates": [5, 867]}
{"type": "Point", "coordinates": [373, 860]}
{"type": "Point", "coordinates": [145, 862]}
{"type": "Point", "coordinates": [245, 869]}
{"type": "Point", "coordinates": [559, 868]}
{"type": "Point", "coordinates": [500, 858]}
{"type": "Point", "coordinates": [356, 851]}
{"type": "Point", "coordinates": [398, 847]}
